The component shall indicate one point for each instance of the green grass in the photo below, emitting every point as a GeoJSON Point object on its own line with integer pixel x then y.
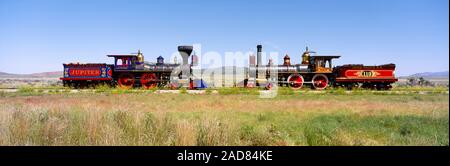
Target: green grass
{"type": "Point", "coordinates": [422, 88]}
{"type": "Point", "coordinates": [236, 90]}
{"type": "Point", "coordinates": [28, 91]}
{"type": "Point", "coordinates": [25, 89]}
{"type": "Point", "coordinates": [281, 91]}
{"type": "Point", "coordinates": [377, 130]}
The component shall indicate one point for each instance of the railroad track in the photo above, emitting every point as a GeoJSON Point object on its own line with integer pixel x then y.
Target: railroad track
{"type": "Point", "coordinates": [50, 90]}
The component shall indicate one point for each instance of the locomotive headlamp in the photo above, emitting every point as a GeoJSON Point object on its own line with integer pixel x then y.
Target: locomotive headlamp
{"type": "Point", "coordinates": [305, 57]}
{"type": "Point", "coordinates": [140, 57]}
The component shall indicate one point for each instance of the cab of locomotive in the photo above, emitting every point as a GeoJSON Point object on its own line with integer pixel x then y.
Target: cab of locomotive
{"type": "Point", "coordinates": [322, 64]}
{"type": "Point", "coordinates": [124, 62]}
{"type": "Point", "coordinates": [317, 63]}
{"type": "Point", "coordinates": [128, 62]}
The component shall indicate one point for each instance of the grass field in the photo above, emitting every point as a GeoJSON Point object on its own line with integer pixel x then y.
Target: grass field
{"type": "Point", "coordinates": [231, 117]}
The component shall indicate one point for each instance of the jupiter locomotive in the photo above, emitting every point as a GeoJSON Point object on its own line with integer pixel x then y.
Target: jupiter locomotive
{"type": "Point", "coordinates": [314, 71]}
{"type": "Point", "coordinates": [129, 71]}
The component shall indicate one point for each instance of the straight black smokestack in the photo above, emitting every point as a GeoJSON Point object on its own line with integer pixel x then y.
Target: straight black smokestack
{"type": "Point", "coordinates": [258, 55]}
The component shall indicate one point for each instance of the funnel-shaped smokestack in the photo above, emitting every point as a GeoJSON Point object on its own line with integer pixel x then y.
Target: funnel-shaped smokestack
{"type": "Point", "coordinates": [185, 52]}
{"type": "Point", "coordinates": [258, 55]}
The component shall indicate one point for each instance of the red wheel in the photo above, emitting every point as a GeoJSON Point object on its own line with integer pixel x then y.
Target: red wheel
{"type": "Point", "coordinates": [126, 81]}
{"type": "Point", "coordinates": [174, 85]}
{"type": "Point", "coordinates": [148, 80]}
{"type": "Point", "coordinates": [269, 86]}
{"type": "Point", "coordinates": [320, 81]}
{"type": "Point", "coordinates": [110, 73]}
{"type": "Point", "coordinates": [250, 85]}
{"type": "Point", "coordinates": [295, 81]}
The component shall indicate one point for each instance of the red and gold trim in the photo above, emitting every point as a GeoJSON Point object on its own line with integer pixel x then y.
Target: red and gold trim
{"type": "Point", "coordinates": [369, 73]}
{"type": "Point", "coordinates": [86, 72]}
{"type": "Point", "coordinates": [86, 78]}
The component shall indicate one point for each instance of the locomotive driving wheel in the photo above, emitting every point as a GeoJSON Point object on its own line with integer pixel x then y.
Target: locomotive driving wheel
{"type": "Point", "coordinates": [320, 81]}
{"type": "Point", "coordinates": [250, 85]}
{"type": "Point", "coordinates": [149, 80]}
{"type": "Point", "coordinates": [126, 81]}
{"type": "Point", "coordinates": [295, 81]}
{"type": "Point", "coordinates": [174, 85]}
{"type": "Point", "coordinates": [269, 86]}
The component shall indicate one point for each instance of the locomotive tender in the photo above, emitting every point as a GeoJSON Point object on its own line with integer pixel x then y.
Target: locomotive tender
{"type": "Point", "coordinates": [315, 71]}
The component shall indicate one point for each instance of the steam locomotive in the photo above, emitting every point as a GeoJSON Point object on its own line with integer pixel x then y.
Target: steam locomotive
{"type": "Point", "coordinates": [314, 71]}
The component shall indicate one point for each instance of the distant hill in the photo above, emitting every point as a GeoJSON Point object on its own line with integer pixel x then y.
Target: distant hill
{"type": "Point", "coordinates": [47, 74]}
{"type": "Point", "coordinates": [227, 69]}
{"type": "Point", "coordinates": [3, 74]}
{"type": "Point", "coordinates": [54, 74]}
{"type": "Point", "coordinates": [431, 75]}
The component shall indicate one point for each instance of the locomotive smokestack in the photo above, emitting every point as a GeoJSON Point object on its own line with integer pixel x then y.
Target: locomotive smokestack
{"type": "Point", "coordinates": [258, 55]}
{"type": "Point", "coordinates": [185, 52]}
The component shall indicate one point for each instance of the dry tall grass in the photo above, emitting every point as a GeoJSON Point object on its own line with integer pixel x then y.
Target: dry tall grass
{"type": "Point", "coordinates": [182, 119]}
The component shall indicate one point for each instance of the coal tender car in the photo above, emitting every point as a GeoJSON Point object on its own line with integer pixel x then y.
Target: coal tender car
{"type": "Point", "coordinates": [317, 72]}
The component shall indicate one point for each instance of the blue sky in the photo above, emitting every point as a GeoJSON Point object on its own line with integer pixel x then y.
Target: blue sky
{"type": "Point", "coordinates": [40, 35]}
